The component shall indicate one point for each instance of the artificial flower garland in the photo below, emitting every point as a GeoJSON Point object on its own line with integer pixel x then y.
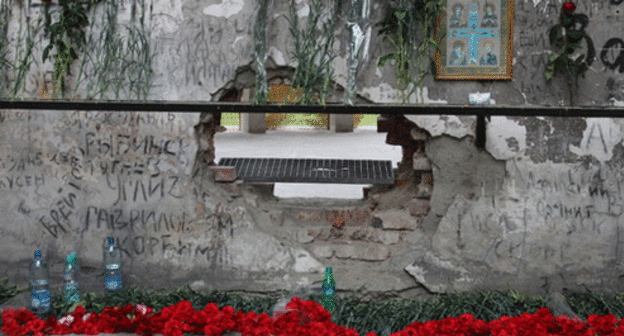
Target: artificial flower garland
{"type": "Point", "coordinates": [304, 318]}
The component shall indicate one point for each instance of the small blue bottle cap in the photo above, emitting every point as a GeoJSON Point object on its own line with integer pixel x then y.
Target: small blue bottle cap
{"type": "Point", "coordinates": [111, 240]}
{"type": "Point", "coordinates": [71, 258]}
{"type": "Point", "coordinates": [37, 254]}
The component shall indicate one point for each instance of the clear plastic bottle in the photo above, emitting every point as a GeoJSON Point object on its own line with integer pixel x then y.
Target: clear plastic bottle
{"type": "Point", "coordinates": [112, 262]}
{"type": "Point", "coordinates": [40, 295]}
{"type": "Point", "coordinates": [70, 272]}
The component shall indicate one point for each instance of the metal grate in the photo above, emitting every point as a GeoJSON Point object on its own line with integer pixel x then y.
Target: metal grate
{"type": "Point", "coordinates": [312, 170]}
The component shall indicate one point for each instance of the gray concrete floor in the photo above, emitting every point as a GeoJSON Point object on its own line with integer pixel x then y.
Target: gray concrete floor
{"type": "Point", "coordinates": [362, 143]}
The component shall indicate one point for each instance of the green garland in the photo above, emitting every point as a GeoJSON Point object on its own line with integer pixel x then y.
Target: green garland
{"type": "Point", "coordinates": [67, 36]}
{"type": "Point", "coordinates": [22, 52]}
{"type": "Point", "coordinates": [400, 27]}
{"type": "Point", "coordinates": [314, 52]}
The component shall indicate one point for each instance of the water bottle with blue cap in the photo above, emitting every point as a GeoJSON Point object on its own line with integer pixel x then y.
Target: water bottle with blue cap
{"type": "Point", "coordinates": [70, 272]}
{"type": "Point", "coordinates": [40, 295]}
{"type": "Point", "coordinates": [112, 262]}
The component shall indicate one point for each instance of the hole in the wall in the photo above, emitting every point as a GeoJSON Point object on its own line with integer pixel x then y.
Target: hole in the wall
{"type": "Point", "coordinates": [361, 144]}
{"type": "Point", "coordinates": [232, 95]}
{"type": "Point", "coordinates": [319, 142]}
{"type": "Point", "coordinates": [286, 94]}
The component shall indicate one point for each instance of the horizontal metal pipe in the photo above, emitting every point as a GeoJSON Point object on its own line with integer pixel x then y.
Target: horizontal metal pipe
{"type": "Point", "coordinates": [196, 106]}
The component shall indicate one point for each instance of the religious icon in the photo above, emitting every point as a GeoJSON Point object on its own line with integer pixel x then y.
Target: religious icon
{"type": "Point", "coordinates": [476, 40]}
{"type": "Point", "coordinates": [458, 19]}
{"type": "Point", "coordinates": [458, 55]}
{"type": "Point", "coordinates": [489, 19]}
{"type": "Point", "coordinates": [474, 14]}
{"type": "Point", "coordinates": [489, 58]}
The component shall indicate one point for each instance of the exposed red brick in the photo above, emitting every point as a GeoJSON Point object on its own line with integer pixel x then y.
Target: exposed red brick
{"type": "Point", "coordinates": [224, 173]}
{"type": "Point", "coordinates": [309, 215]}
{"type": "Point", "coordinates": [349, 216]}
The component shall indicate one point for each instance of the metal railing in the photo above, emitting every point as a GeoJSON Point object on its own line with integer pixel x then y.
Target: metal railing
{"type": "Point", "coordinates": [437, 109]}
{"type": "Point", "coordinates": [482, 112]}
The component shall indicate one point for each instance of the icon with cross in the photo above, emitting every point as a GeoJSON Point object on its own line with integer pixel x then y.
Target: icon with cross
{"type": "Point", "coordinates": [473, 33]}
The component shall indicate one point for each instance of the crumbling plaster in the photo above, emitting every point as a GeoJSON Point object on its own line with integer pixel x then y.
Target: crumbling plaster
{"type": "Point", "coordinates": [542, 198]}
{"type": "Point", "coordinates": [541, 201]}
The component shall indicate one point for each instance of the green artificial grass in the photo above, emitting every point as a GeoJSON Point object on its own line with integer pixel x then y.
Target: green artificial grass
{"type": "Point", "coordinates": [232, 119]}
{"type": "Point", "coordinates": [381, 318]}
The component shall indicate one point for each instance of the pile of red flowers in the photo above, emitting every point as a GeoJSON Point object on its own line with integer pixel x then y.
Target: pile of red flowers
{"type": "Point", "coordinates": [302, 318]}
{"type": "Point", "coordinates": [305, 318]}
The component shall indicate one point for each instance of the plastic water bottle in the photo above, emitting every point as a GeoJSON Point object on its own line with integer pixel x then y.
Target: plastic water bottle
{"type": "Point", "coordinates": [329, 290]}
{"type": "Point", "coordinates": [70, 272]}
{"type": "Point", "coordinates": [112, 260]}
{"type": "Point", "coordinates": [40, 295]}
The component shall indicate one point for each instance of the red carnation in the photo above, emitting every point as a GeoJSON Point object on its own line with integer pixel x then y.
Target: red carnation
{"type": "Point", "coordinates": [569, 7]}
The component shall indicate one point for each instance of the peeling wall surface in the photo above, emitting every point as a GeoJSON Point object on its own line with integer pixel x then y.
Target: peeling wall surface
{"type": "Point", "coordinates": [540, 207]}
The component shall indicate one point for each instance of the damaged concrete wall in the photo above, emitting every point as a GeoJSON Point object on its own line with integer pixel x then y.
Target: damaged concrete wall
{"type": "Point", "coordinates": [71, 179]}
{"type": "Point", "coordinates": [540, 205]}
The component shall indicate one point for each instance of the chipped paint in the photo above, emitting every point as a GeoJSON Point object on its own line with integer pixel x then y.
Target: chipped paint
{"type": "Point", "coordinates": [505, 139]}
{"type": "Point", "coordinates": [454, 126]}
{"type": "Point", "coordinates": [616, 102]}
{"type": "Point", "coordinates": [385, 93]}
{"type": "Point", "coordinates": [599, 138]}
{"type": "Point", "coordinates": [551, 138]}
{"type": "Point", "coordinates": [238, 38]}
{"type": "Point", "coordinates": [226, 8]}
{"type": "Point", "coordinates": [425, 93]}
{"type": "Point", "coordinates": [277, 56]}
{"type": "Point", "coordinates": [369, 32]}
{"type": "Point", "coordinates": [305, 11]}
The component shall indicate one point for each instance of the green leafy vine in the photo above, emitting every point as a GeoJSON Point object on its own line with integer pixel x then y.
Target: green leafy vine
{"type": "Point", "coordinates": [67, 37]}
{"type": "Point", "coordinates": [118, 66]}
{"type": "Point", "coordinates": [314, 51]}
{"type": "Point", "coordinates": [16, 70]}
{"type": "Point", "coordinates": [410, 27]}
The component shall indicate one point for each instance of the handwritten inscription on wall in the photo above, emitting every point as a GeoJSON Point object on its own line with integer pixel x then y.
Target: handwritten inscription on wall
{"type": "Point", "coordinates": [100, 172]}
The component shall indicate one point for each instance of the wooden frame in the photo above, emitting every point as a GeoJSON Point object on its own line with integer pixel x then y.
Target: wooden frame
{"type": "Point", "coordinates": [476, 40]}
